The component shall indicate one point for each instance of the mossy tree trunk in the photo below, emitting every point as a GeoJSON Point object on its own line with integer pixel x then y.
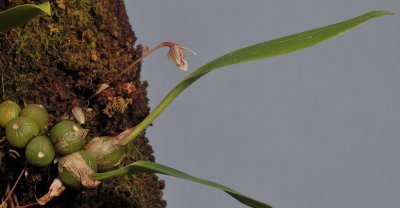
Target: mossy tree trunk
{"type": "Point", "coordinates": [58, 62]}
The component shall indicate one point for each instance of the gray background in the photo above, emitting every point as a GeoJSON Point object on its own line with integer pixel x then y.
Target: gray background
{"type": "Point", "coordinates": [318, 128]}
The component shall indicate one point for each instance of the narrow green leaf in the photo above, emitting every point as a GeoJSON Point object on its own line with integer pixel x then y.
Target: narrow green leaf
{"type": "Point", "coordinates": [286, 44]}
{"type": "Point", "coordinates": [263, 50]}
{"type": "Point", "coordinates": [151, 167]}
{"type": "Point", "coordinates": [21, 14]}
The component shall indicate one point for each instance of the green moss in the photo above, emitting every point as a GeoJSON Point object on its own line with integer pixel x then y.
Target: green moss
{"type": "Point", "coordinates": [60, 60]}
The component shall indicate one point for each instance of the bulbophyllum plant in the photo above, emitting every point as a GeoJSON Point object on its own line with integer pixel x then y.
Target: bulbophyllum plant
{"type": "Point", "coordinates": [85, 165]}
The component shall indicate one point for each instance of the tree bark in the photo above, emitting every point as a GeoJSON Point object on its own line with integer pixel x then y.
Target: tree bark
{"type": "Point", "coordinates": [59, 62]}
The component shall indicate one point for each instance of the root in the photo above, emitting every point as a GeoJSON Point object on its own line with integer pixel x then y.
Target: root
{"type": "Point", "coordinates": [3, 204]}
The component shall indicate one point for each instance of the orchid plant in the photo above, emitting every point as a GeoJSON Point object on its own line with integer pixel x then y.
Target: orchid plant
{"type": "Point", "coordinates": [21, 14]}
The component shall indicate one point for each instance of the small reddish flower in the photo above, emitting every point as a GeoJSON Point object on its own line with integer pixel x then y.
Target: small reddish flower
{"type": "Point", "coordinates": [177, 56]}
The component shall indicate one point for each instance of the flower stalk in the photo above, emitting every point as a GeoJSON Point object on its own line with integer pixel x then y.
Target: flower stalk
{"type": "Point", "coordinates": [175, 54]}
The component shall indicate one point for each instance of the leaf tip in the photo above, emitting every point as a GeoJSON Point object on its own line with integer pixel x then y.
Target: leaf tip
{"type": "Point", "coordinates": [380, 13]}
{"type": "Point", "coordinates": [45, 7]}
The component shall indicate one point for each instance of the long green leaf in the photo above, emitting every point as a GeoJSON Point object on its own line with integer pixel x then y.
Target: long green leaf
{"type": "Point", "coordinates": [151, 167]}
{"type": "Point", "coordinates": [263, 50]}
{"type": "Point", "coordinates": [21, 14]}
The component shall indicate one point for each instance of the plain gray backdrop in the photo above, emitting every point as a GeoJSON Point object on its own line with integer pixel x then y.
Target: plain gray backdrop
{"type": "Point", "coordinates": [317, 128]}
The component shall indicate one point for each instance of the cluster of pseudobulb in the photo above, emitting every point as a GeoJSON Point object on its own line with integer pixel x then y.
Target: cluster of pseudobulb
{"type": "Point", "coordinates": [27, 129]}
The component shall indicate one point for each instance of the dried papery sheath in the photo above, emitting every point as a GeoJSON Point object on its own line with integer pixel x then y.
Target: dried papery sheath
{"type": "Point", "coordinates": [107, 151]}
{"type": "Point", "coordinates": [102, 87]}
{"type": "Point", "coordinates": [77, 168]}
{"type": "Point", "coordinates": [123, 138]}
{"type": "Point", "coordinates": [56, 188]}
{"type": "Point", "coordinates": [78, 114]}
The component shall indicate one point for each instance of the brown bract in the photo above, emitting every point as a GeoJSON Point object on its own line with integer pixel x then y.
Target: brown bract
{"type": "Point", "coordinates": [77, 166]}
{"type": "Point", "coordinates": [78, 114]}
{"type": "Point", "coordinates": [56, 188]}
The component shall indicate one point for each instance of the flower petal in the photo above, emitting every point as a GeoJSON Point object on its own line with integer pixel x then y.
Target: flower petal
{"type": "Point", "coordinates": [177, 56]}
{"type": "Point", "coordinates": [188, 49]}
